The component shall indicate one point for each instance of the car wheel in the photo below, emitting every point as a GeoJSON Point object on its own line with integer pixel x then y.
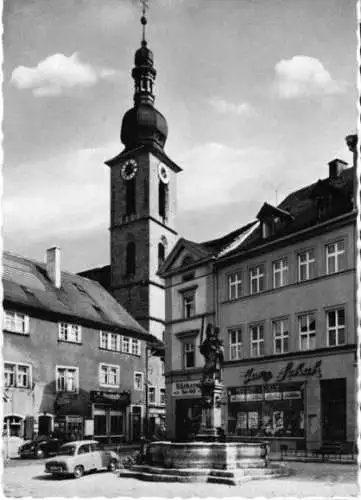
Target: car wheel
{"type": "Point", "coordinates": [112, 465]}
{"type": "Point", "coordinates": [78, 471]}
{"type": "Point", "coordinates": [40, 454]}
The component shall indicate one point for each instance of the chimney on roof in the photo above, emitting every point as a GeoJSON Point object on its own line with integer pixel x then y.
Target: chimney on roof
{"type": "Point", "coordinates": [336, 168]}
{"type": "Point", "coordinates": [53, 265]}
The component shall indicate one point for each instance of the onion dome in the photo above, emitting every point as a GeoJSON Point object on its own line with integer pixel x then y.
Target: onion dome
{"type": "Point", "coordinates": [143, 124]}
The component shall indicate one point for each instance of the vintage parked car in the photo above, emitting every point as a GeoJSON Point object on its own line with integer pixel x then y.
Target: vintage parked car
{"type": "Point", "coordinates": [40, 447]}
{"type": "Point", "coordinates": [77, 457]}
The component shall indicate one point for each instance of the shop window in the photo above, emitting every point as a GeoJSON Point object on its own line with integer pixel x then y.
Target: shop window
{"type": "Point", "coordinates": [151, 395]}
{"type": "Point", "coordinates": [335, 257]}
{"type": "Point", "coordinates": [130, 197]}
{"type": "Point", "coordinates": [234, 285]}
{"type": "Point", "coordinates": [16, 322]}
{"type": "Point", "coordinates": [69, 332]}
{"type": "Point", "coordinates": [280, 273]}
{"type": "Point", "coordinates": [235, 344]}
{"type": "Point", "coordinates": [67, 379]}
{"type": "Point", "coordinates": [138, 381]}
{"type": "Point", "coordinates": [307, 331]}
{"type": "Point", "coordinates": [189, 304]}
{"type": "Point", "coordinates": [17, 375]}
{"type": "Point", "coordinates": [130, 258]}
{"type": "Point", "coordinates": [267, 411]}
{"type": "Point", "coordinates": [256, 277]}
{"type": "Point", "coordinates": [336, 327]}
{"type": "Point", "coordinates": [13, 426]}
{"type": "Point", "coordinates": [188, 355]}
{"type": "Point", "coordinates": [280, 336]}
{"type": "Point", "coordinates": [257, 340]}
{"type": "Point", "coordinates": [109, 375]}
{"type": "Point", "coordinates": [162, 396]}
{"type": "Point", "coordinates": [306, 265]}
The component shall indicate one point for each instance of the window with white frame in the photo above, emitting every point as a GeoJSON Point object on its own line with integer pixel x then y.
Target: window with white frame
{"type": "Point", "coordinates": [256, 279]}
{"type": "Point", "coordinates": [17, 375]}
{"type": "Point", "coordinates": [110, 341]}
{"type": "Point", "coordinates": [188, 355]}
{"type": "Point", "coordinates": [306, 265]}
{"type": "Point", "coordinates": [151, 395]}
{"type": "Point", "coordinates": [126, 344]}
{"type": "Point", "coordinates": [136, 347]}
{"type": "Point", "coordinates": [280, 273]}
{"type": "Point", "coordinates": [336, 327]}
{"type": "Point", "coordinates": [189, 304]}
{"type": "Point", "coordinates": [16, 322]}
{"type": "Point", "coordinates": [307, 331]}
{"type": "Point", "coordinates": [280, 335]}
{"type": "Point", "coordinates": [257, 340]}
{"type": "Point", "coordinates": [138, 381]}
{"type": "Point", "coordinates": [67, 379]}
{"type": "Point", "coordinates": [109, 375]}
{"type": "Point", "coordinates": [162, 396]}
{"type": "Point", "coordinates": [335, 257]}
{"type": "Point", "coordinates": [235, 343]}
{"type": "Point", "coordinates": [234, 285]}
{"type": "Point", "coordinates": [69, 332]}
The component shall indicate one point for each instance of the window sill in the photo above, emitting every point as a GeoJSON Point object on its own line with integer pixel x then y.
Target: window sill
{"type": "Point", "coordinates": [14, 332]}
{"type": "Point", "coordinates": [60, 393]}
{"type": "Point", "coordinates": [73, 342]}
{"type": "Point", "coordinates": [119, 352]}
{"type": "Point", "coordinates": [110, 386]}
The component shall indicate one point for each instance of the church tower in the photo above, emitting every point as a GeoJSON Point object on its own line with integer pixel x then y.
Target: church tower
{"type": "Point", "coordinates": [143, 201]}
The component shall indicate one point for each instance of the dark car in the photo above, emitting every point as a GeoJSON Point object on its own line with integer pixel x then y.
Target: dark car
{"type": "Point", "coordinates": [40, 447]}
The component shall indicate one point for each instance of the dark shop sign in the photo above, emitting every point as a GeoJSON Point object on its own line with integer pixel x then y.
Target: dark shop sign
{"type": "Point", "coordinates": [108, 397]}
{"type": "Point", "coordinates": [290, 371]}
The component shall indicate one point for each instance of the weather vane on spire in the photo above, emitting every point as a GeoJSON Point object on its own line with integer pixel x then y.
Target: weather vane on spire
{"type": "Point", "coordinates": [143, 19]}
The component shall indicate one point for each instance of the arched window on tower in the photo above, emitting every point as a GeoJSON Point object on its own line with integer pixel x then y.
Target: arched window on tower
{"type": "Point", "coordinates": [161, 254]}
{"type": "Point", "coordinates": [130, 197]}
{"type": "Point", "coordinates": [162, 199]}
{"type": "Point", "coordinates": [130, 258]}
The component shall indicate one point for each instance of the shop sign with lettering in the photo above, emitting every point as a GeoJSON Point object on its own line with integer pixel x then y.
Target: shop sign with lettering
{"type": "Point", "coordinates": [292, 395]}
{"type": "Point", "coordinates": [272, 395]}
{"type": "Point", "coordinates": [187, 389]}
{"type": "Point", "coordinates": [288, 372]}
{"type": "Point", "coordinates": [108, 397]}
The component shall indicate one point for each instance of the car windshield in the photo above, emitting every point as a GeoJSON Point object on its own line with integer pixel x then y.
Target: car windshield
{"type": "Point", "coordinates": [67, 450]}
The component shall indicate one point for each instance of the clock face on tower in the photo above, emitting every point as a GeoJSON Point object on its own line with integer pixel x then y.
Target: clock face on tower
{"type": "Point", "coordinates": [129, 169]}
{"type": "Point", "coordinates": [163, 173]}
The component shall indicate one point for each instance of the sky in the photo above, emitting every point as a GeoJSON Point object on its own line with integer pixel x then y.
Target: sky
{"type": "Point", "coordinates": [258, 95]}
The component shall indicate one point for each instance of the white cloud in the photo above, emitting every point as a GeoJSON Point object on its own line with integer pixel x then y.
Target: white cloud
{"type": "Point", "coordinates": [216, 174]}
{"type": "Point", "coordinates": [223, 106]}
{"type": "Point", "coordinates": [57, 73]}
{"type": "Point", "coordinates": [66, 196]}
{"type": "Point", "coordinates": [304, 76]}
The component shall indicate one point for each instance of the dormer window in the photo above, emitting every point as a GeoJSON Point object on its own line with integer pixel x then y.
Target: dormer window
{"type": "Point", "coordinates": [272, 218]}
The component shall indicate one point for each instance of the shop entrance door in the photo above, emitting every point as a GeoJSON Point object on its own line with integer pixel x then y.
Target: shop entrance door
{"type": "Point", "coordinates": [188, 418]}
{"type": "Point", "coordinates": [136, 423]}
{"type": "Point", "coordinates": [44, 425]}
{"type": "Point", "coordinates": [333, 401]}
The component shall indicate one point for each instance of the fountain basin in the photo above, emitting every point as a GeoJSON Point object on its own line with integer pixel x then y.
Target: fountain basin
{"type": "Point", "coordinates": [212, 462]}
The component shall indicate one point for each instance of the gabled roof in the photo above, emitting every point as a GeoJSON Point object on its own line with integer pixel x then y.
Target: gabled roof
{"type": "Point", "coordinates": [26, 283]}
{"type": "Point", "coordinates": [269, 211]}
{"type": "Point", "coordinates": [303, 205]}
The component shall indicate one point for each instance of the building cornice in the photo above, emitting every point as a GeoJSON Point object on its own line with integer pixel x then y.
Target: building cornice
{"type": "Point", "coordinates": [141, 219]}
{"type": "Point", "coordinates": [138, 282]}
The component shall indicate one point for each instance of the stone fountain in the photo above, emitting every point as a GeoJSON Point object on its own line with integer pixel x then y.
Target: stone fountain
{"type": "Point", "coordinates": [210, 457]}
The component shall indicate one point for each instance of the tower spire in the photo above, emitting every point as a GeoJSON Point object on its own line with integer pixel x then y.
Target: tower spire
{"type": "Point", "coordinates": [143, 19]}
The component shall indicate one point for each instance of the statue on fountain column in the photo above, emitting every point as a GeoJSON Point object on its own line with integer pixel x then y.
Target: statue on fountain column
{"type": "Point", "coordinates": [213, 352]}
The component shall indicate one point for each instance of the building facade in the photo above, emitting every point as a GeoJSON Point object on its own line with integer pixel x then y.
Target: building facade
{"type": "Point", "coordinates": [74, 359]}
{"type": "Point", "coordinates": [283, 292]}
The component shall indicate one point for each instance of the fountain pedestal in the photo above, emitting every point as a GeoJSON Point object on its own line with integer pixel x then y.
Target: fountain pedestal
{"type": "Point", "coordinates": [211, 412]}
